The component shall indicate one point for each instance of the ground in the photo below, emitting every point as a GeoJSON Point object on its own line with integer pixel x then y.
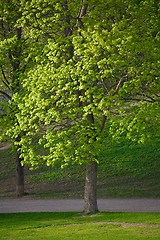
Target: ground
{"type": "Point", "coordinates": [125, 172]}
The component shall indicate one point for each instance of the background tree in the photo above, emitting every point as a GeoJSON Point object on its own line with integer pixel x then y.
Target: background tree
{"type": "Point", "coordinates": [14, 62]}
{"type": "Point", "coordinates": [11, 68]}
{"type": "Point", "coordinates": [91, 61]}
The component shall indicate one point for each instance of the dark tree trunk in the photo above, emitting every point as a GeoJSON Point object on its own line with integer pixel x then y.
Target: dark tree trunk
{"type": "Point", "coordinates": [20, 177]}
{"type": "Point", "coordinates": [90, 195]}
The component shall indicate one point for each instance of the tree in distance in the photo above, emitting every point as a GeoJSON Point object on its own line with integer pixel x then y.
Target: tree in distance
{"type": "Point", "coordinates": [15, 60]}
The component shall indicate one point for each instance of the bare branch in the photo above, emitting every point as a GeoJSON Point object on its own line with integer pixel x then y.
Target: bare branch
{"type": "Point", "coordinates": [120, 83]}
{"type": "Point", "coordinates": [5, 81]}
{"type": "Point", "coordinates": [83, 9]}
{"type": "Point", "coordinates": [157, 95]}
{"type": "Point", "coordinates": [118, 86]}
{"type": "Point", "coordinates": [138, 99]}
{"type": "Point", "coordinates": [5, 94]}
{"type": "Point", "coordinates": [82, 13]}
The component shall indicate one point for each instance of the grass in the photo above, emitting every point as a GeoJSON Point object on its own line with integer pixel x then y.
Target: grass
{"type": "Point", "coordinates": [110, 226]}
{"type": "Point", "coordinates": [125, 170]}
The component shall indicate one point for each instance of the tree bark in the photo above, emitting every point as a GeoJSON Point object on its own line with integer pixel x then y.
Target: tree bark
{"type": "Point", "coordinates": [19, 177]}
{"type": "Point", "coordinates": [90, 195]}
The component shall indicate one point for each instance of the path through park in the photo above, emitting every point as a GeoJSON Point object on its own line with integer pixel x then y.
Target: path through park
{"type": "Point", "coordinates": [76, 205]}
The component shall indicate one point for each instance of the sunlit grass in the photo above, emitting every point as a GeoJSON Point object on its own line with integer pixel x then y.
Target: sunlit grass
{"type": "Point", "coordinates": [110, 226]}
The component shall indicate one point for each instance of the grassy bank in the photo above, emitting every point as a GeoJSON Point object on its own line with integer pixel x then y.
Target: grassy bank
{"type": "Point", "coordinates": [125, 170]}
{"type": "Point", "coordinates": [121, 226]}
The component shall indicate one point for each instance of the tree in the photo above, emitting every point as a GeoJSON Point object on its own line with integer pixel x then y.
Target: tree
{"type": "Point", "coordinates": [11, 56]}
{"type": "Point", "coordinates": [14, 62]}
{"type": "Point", "coordinates": [76, 88]}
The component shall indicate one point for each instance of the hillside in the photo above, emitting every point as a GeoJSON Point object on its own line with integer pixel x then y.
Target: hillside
{"type": "Point", "coordinates": [125, 170]}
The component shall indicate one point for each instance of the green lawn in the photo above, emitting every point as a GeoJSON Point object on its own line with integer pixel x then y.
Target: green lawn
{"type": "Point", "coordinates": [110, 226]}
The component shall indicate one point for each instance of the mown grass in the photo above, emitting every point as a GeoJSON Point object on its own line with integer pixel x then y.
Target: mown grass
{"type": "Point", "coordinates": [125, 170]}
{"type": "Point", "coordinates": [46, 226]}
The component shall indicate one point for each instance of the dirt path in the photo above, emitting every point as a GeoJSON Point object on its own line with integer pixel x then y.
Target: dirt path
{"type": "Point", "coordinates": [76, 205]}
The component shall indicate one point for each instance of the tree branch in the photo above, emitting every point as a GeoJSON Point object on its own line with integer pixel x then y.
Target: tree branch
{"type": "Point", "coordinates": [83, 9]}
{"type": "Point", "coordinates": [4, 30]}
{"type": "Point", "coordinates": [5, 94]}
{"type": "Point", "coordinates": [104, 118]}
{"type": "Point", "coordinates": [68, 29]}
{"type": "Point", "coordinates": [138, 99]}
{"type": "Point", "coordinates": [82, 13]}
{"type": "Point", "coordinates": [120, 83]}
{"type": "Point", "coordinates": [5, 81]}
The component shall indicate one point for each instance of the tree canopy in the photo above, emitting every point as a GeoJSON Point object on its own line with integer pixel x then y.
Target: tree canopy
{"type": "Point", "coordinates": [99, 62]}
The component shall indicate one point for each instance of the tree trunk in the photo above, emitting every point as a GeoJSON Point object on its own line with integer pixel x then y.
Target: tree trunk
{"type": "Point", "coordinates": [90, 195]}
{"type": "Point", "coordinates": [20, 177]}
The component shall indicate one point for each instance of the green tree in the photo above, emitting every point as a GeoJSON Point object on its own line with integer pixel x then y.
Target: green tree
{"type": "Point", "coordinates": [14, 61]}
{"type": "Point", "coordinates": [91, 61]}
{"type": "Point", "coordinates": [10, 63]}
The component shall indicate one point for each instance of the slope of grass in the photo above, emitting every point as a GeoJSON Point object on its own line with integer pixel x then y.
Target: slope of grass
{"type": "Point", "coordinates": [130, 170]}
{"type": "Point", "coordinates": [125, 170]}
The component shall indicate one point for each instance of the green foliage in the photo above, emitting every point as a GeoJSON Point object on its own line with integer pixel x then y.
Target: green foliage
{"type": "Point", "coordinates": [11, 65]}
{"type": "Point", "coordinates": [16, 57]}
{"type": "Point", "coordinates": [141, 125]}
{"type": "Point", "coordinates": [94, 72]}
{"type": "Point", "coordinates": [139, 117]}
